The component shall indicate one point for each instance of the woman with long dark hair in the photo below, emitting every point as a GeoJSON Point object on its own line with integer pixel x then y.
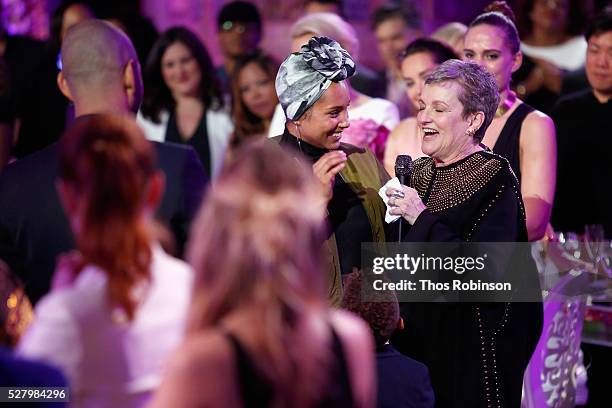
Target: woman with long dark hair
{"type": "Point", "coordinates": [182, 99]}
{"type": "Point", "coordinates": [253, 97]}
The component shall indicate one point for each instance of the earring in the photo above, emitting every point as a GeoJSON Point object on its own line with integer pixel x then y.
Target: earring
{"type": "Point", "coordinates": [299, 138]}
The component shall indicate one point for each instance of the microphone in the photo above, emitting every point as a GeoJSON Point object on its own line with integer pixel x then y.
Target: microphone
{"type": "Point", "coordinates": [403, 171]}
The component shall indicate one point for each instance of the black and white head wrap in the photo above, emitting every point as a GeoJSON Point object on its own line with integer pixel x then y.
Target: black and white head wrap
{"type": "Point", "coordinates": [305, 75]}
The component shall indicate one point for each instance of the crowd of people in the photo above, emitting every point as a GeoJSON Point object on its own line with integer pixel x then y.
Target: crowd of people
{"type": "Point", "coordinates": [175, 233]}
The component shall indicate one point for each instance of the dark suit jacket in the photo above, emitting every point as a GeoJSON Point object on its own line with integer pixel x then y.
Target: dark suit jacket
{"type": "Point", "coordinates": [402, 381]}
{"type": "Point", "coordinates": [583, 130]}
{"type": "Point", "coordinates": [34, 229]}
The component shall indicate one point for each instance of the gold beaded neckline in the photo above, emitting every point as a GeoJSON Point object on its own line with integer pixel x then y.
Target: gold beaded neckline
{"type": "Point", "coordinates": [506, 104]}
{"type": "Point", "coordinates": [453, 184]}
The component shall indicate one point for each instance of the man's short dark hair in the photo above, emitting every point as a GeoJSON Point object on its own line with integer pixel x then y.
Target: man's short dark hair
{"type": "Point", "coordinates": [601, 23]}
{"type": "Point", "coordinates": [380, 311]}
{"type": "Point", "coordinates": [439, 51]}
{"type": "Point", "coordinates": [389, 11]}
{"type": "Point", "coordinates": [239, 11]}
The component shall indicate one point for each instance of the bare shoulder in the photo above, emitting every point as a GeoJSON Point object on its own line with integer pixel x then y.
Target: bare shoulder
{"type": "Point", "coordinates": [538, 130]}
{"type": "Point", "coordinates": [204, 358]}
{"type": "Point", "coordinates": [199, 356]}
{"type": "Point", "coordinates": [208, 348]}
{"type": "Point", "coordinates": [538, 122]}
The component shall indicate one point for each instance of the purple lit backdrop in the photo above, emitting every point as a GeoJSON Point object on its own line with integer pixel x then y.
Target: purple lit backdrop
{"type": "Point", "coordinates": [200, 15]}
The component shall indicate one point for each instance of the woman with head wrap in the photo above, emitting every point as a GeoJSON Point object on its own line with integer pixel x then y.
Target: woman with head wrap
{"type": "Point", "coordinates": [372, 118]}
{"type": "Point", "coordinates": [315, 99]}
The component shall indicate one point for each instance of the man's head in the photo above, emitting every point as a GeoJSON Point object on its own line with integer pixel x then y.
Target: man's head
{"type": "Point", "coordinates": [323, 6]}
{"type": "Point", "coordinates": [599, 54]}
{"type": "Point", "coordinates": [239, 26]}
{"type": "Point", "coordinates": [100, 69]}
{"type": "Point", "coordinates": [394, 27]}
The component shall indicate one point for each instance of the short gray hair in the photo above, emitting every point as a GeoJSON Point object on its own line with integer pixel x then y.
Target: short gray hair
{"type": "Point", "coordinates": [479, 90]}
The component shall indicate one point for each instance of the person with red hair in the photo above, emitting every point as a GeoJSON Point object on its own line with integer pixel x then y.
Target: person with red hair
{"type": "Point", "coordinates": [118, 302]}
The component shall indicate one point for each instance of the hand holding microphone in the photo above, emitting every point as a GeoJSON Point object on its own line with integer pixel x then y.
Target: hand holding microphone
{"type": "Point", "coordinates": [405, 202]}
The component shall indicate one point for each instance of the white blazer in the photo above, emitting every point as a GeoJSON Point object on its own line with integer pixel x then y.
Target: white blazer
{"type": "Point", "coordinates": [219, 127]}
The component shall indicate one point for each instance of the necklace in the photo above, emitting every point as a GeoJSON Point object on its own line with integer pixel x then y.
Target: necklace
{"type": "Point", "coordinates": [506, 104]}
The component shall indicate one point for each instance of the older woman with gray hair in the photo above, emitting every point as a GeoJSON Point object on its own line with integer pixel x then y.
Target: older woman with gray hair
{"type": "Point", "coordinates": [476, 353]}
{"type": "Point", "coordinates": [314, 96]}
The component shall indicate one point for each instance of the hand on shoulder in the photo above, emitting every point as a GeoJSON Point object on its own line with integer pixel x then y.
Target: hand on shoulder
{"type": "Point", "coordinates": [68, 266]}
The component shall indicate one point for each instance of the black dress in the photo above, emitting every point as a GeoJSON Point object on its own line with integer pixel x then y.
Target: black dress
{"type": "Point", "coordinates": [256, 392]}
{"type": "Point", "coordinates": [475, 199]}
{"type": "Point", "coordinates": [507, 144]}
{"type": "Point", "coordinates": [199, 140]}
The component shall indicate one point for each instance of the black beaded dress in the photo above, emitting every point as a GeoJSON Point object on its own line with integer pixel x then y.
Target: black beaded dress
{"type": "Point", "coordinates": [476, 353]}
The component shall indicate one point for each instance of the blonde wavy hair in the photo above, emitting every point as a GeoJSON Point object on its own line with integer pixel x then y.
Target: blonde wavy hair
{"type": "Point", "coordinates": [256, 246]}
{"type": "Point", "coordinates": [329, 25]}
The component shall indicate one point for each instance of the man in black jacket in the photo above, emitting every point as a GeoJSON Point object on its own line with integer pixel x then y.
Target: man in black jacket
{"type": "Point", "coordinates": [100, 74]}
{"type": "Point", "coordinates": [584, 145]}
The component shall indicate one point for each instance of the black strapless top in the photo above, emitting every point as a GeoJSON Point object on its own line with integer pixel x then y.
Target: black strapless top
{"type": "Point", "coordinates": [258, 393]}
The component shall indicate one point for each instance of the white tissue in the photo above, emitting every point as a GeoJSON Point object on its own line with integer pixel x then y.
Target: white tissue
{"type": "Point", "coordinates": [393, 183]}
